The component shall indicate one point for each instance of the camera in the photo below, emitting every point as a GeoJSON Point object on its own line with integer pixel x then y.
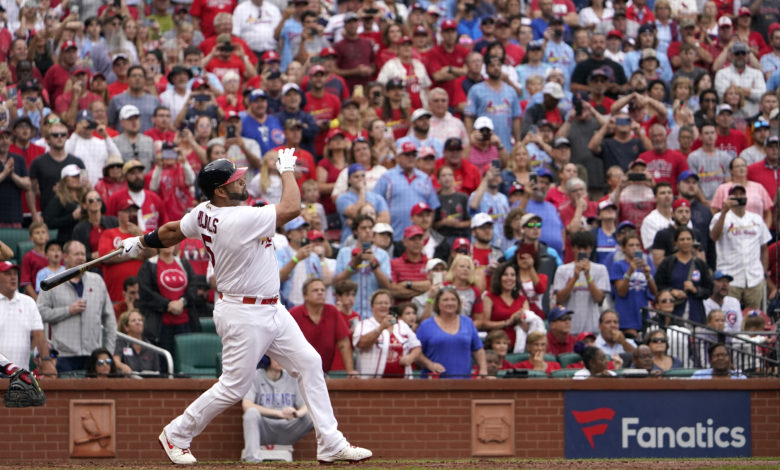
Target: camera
{"type": "Point", "coordinates": [741, 201]}
{"type": "Point", "coordinates": [636, 177]}
{"type": "Point", "coordinates": [305, 241]}
{"type": "Point", "coordinates": [230, 131]}
{"type": "Point", "coordinates": [581, 256]}
{"type": "Point", "coordinates": [202, 97]}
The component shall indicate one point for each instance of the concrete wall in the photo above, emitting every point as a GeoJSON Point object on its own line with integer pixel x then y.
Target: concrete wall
{"type": "Point", "coordinates": [394, 418]}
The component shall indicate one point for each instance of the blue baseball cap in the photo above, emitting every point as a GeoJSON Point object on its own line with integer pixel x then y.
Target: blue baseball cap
{"type": "Point", "coordinates": [355, 167]}
{"type": "Point", "coordinates": [557, 313]}
{"type": "Point", "coordinates": [257, 93]}
{"type": "Point", "coordinates": [687, 174]}
{"type": "Point", "coordinates": [295, 224]}
{"type": "Point", "coordinates": [720, 275]}
{"type": "Point", "coordinates": [544, 172]}
{"type": "Point", "coordinates": [624, 224]}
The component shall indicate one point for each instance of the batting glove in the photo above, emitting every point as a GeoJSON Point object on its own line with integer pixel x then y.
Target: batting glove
{"type": "Point", "coordinates": [132, 247]}
{"type": "Point", "coordinates": [286, 161]}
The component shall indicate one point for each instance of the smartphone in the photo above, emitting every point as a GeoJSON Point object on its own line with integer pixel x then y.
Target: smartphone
{"type": "Point", "coordinates": [438, 277]}
{"type": "Point", "coordinates": [496, 163]}
{"type": "Point", "coordinates": [231, 132]}
{"type": "Point", "coordinates": [533, 178]}
{"type": "Point", "coordinates": [118, 3]}
{"type": "Point", "coordinates": [366, 246]}
{"type": "Point", "coordinates": [75, 10]}
{"type": "Point", "coordinates": [202, 97]}
{"type": "Point", "coordinates": [372, 11]}
{"type": "Point", "coordinates": [581, 256]}
{"type": "Point", "coordinates": [304, 241]}
{"type": "Point", "coordinates": [638, 255]}
{"type": "Point", "coordinates": [741, 201]}
{"type": "Point", "coordinates": [182, 125]}
{"type": "Point", "coordinates": [636, 177]}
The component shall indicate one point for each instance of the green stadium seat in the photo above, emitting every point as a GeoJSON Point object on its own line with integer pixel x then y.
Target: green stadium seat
{"type": "Point", "coordinates": [13, 237]}
{"type": "Point", "coordinates": [196, 354]}
{"type": "Point", "coordinates": [679, 373]}
{"type": "Point", "coordinates": [207, 325]}
{"type": "Point", "coordinates": [563, 373]}
{"type": "Point", "coordinates": [337, 374]}
{"type": "Point", "coordinates": [566, 359]}
{"type": "Point", "coordinates": [517, 357]}
{"type": "Point", "coordinates": [550, 358]}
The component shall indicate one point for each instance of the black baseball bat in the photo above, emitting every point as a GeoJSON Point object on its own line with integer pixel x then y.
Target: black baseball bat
{"type": "Point", "coordinates": [57, 279]}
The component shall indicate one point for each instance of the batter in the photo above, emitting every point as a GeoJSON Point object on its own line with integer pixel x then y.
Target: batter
{"type": "Point", "coordinates": [248, 316]}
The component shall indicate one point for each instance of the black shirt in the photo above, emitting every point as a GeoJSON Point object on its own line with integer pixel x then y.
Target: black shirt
{"type": "Point", "coordinates": [10, 193]}
{"type": "Point", "coordinates": [455, 205]}
{"type": "Point", "coordinates": [619, 153]}
{"type": "Point", "coordinates": [582, 72]}
{"type": "Point", "coordinates": [47, 172]}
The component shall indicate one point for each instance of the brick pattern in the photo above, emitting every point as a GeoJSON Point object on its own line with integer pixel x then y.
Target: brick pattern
{"type": "Point", "coordinates": [420, 420]}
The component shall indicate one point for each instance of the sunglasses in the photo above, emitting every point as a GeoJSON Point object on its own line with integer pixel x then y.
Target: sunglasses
{"type": "Point", "coordinates": [94, 199]}
{"type": "Point", "coordinates": [534, 225]}
{"type": "Point", "coordinates": [665, 301]}
{"type": "Point", "coordinates": [103, 362]}
{"type": "Point", "coordinates": [59, 134]}
{"type": "Point", "coordinates": [709, 100]}
{"type": "Point", "coordinates": [658, 340]}
{"type": "Point", "coordinates": [54, 121]}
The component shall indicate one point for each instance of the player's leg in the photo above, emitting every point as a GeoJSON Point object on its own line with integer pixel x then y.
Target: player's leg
{"type": "Point", "coordinates": [252, 420]}
{"type": "Point", "coordinates": [300, 359]}
{"type": "Point", "coordinates": [246, 332]}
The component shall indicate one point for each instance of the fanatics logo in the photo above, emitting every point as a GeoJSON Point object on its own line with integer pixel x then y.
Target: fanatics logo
{"type": "Point", "coordinates": [591, 416]}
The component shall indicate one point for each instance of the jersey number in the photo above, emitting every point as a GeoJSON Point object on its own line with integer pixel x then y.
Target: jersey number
{"type": "Point", "coordinates": [206, 240]}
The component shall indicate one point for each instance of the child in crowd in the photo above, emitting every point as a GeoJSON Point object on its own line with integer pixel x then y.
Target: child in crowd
{"type": "Point", "coordinates": [35, 259]}
{"type": "Point", "coordinates": [267, 184]}
{"type": "Point", "coordinates": [498, 341]}
{"type": "Point", "coordinates": [314, 213]}
{"type": "Point", "coordinates": [407, 312]}
{"type": "Point", "coordinates": [345, 299]}
{"type": "Point", "coordinates": [54, 266]}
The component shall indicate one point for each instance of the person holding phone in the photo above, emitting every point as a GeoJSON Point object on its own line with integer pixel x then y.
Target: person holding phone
{"type": "Point", "coordinates": [172, 179]}
{"type": "Point", "coordinates": [634, 283]}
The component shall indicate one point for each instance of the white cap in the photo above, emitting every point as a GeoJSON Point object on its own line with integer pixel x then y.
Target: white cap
{"type": "Point", "coordinates": [420, 112]}
{"type": "Point", "coordinates": [382, 227]}
{"type": "Point", "coordinates": [553, 89]}
{"type": "Point", "coordinates": [481, 219]}
{"type": "Point", "coordinates": [290, 86]}
{"type": "Point", "coordinates": [483, 122]}
{"type": "Point", "coordinates": [432, 263]}
{"type": "Point", "coordinates": [70, 170]}
{"type": "Point", "coordinates": [128, 111]}
{"type": "Point", "coordinates": [724, 21]}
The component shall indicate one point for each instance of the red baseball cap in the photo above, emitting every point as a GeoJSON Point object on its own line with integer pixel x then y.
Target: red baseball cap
{"type": "Point", "coordinates": [420, 207]}
{"type": "Point", "coordinates": [744, 11]}
{"type": "Point", "coordinates": [334, 133]}
{"type": "Point", "coordinates": [614, 33]}
{"type": "Point", "coordinates": [231, 113]}
{"type": "Point", "coordinates": [126, 204]}
{"type": "Point", "coordinates": [67, 45]}
{"type": "Point", "coordinates": [585, 334]}
{"type": "Point", "coordinates": [315, 235]}
{"type": "Point", "coordinates": [270, 56]}
{"type": "Point", "coordinates": [404, 40]}
{"type": "Point", "coordinates": [413, 231]}
{"type": "Point", "coordinates": [328, 52]}
{"type": "Point", "coordinates": [317, 69]}
{"type": "Point", "coordinates": [774, 27]}
{"type": "Point", "coordinates": [448, 24]}
{"type": "Point", "coordinates": [6, 265]}
{"type": "Point", "coordinates": [681, 202]}
{"type": "Point", "coordinates": [461, 243]}
{"type": "Point", "coordinates": [420, 30]}
{"type": "Point", "coordinates": [408, 147]}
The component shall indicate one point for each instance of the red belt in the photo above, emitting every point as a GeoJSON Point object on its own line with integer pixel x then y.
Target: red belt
{"type": "Point", "coordinates": [256, 300]}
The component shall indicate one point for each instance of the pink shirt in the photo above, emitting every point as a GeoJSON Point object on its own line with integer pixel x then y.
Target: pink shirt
{"type": "Point", "coordinates": [758, 200]}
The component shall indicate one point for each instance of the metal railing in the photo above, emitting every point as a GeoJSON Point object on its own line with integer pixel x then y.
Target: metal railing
{"type": "Point", "coordinates": [689, 342]}
{"type": "Point", "coordinates": [157, 349]}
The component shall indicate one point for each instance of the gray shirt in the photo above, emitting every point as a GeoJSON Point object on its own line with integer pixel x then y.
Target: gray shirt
{"type": "Point", "coordinates": [145, 104]}
{"type": "Point", "coordinates": [752, 155]}
{"type": "Point", "coordinates": [586, 311]}
{"type": "Point", "coordinates": [80, 334]}
{"type": "Point", "coordinates": [143, 149]}
{"type": "Point", "coordinates": [713, 169]}
{"type": "Point", "coordinates": [277, 394]}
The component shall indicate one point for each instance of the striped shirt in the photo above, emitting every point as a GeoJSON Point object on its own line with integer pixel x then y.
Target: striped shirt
{"type": "Point", "coordinates": [402, 192]}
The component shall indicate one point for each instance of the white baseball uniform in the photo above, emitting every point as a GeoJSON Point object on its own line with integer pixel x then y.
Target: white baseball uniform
{"type": "Point", "coordinates": [238, 240]}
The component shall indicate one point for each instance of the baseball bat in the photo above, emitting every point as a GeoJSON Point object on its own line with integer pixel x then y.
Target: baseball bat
{"type": "Point", "coordinates": [59, 278]}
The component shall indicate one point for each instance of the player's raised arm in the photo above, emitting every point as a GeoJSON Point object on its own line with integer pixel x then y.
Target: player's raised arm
{"type": "Point", "coordinates": [290, 205]}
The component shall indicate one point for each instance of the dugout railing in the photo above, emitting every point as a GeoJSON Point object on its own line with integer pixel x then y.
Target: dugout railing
{"type": "Point", "coordinates": [754, 353]}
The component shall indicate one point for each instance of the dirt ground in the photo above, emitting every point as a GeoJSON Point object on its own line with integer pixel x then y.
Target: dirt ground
{"type": "Point", "coordinates": [492, 464]}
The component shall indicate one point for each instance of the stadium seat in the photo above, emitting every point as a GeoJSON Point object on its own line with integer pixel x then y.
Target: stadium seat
{"type": "Point", "coordinates": [563, 373]}
{"type": "Point", "coordinates": [517, 357]}
{"type": "Point", "coordinates": [679, 373]}
{"type": "Point", "coordinates": [550, 358]}
{"type": "Point", "coordinates": [337, 374]}
{"type": "Point", "coordinates": [196, 354]}
{"type": "Point", "coordinates": [15, 237]}
{"type": "Point", "coordinates": [207, 325]}
{"type": "Point", "coordinates": [566, 359]}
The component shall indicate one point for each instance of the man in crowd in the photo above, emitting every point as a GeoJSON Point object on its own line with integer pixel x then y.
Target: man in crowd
{"type": "Point", "coordinates": [409, 277]}
{"type": "Point", "coordinates": [559, 338]}
{"type": "Point", "coordinates": [610, 339]}
{"type": "Point", "coordinates": [552, 227]}
{"type": "Point", "coordinates": [709, 162]}
{"type": "Point", "coordinates": [136, 95]}
{"type": "Point", "coordinates": [259, 125]}
{"type": "Point", "coordinates": [447, 61]}
{"type": "Point", "coordinates": [661, 216]}
{"type": "Point", "coordinates": [750, 80]}
{"type": "Point", "coordinates": [92, 150]}
{"type": "Point", "coordinates": [151, 213]}
{"type": "Point", "coordinates": [419, 134]}
{"type": "Point", "coordinates": [506, 118]}
{"type": "Point", "coordinates": [721, 300]}
{"type": "Point", "coordinates": [663, 163]}
{"type": "Point", "coordinates": [133, 145]}
{"type": "Point", "coordinates": [443, 124]}
{"type": "Point", "coordinates": [46, 170]}
{"type": "Point", "coordinates": [663, 242]}
{"type": "Point", "coordinates": [355, 54]}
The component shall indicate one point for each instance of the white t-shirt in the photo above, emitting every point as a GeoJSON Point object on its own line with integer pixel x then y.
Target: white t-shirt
{"type": "Point", "coordinates": [19, 317]}
{"type": "Point", "coordinates": [586, 311]}
{"type": "Point", "coordinates": [239, 241]}
{"type": "Point", "coordinates": [255, 25]}
{"type": "Point", "coordinates": [651, 225]}
{"type": "Point", "coordinates": [739, 247]}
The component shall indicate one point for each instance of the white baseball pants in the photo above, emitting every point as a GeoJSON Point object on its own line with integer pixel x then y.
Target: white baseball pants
{"type": "Point", "coordinates": [248, 332]}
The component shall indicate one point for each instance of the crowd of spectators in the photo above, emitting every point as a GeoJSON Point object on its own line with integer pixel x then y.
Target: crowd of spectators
{"type": "Point", "coordinates": [531, 171]}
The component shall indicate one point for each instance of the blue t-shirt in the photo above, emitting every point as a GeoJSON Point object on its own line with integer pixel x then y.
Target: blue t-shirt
{"type": "Point", "coordinates": [500, 106]}
{"type": "Point", "coordinates": [268, 135]}
{"type": "Point", "coordinates": [43, 274]}
{"type": "Point", "coordinates": [451, 351]}
{"type": "Point", "coordinates": [605, 244]}
{"type": "Point", "coordinates": [638, 295]}
{"type": "Point", "coordinates": [313, 269]}
{"type": "Point", "coordinates": [292, 29]}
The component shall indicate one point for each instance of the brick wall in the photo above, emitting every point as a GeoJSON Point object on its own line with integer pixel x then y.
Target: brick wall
{"type": "Point", "coordinates": [395, 418]}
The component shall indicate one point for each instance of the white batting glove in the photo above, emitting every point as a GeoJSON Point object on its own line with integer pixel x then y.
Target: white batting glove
{"type": "Point", "coordinates": [132, 247]}
{"type": "Point", "coordinates": [286, 161]}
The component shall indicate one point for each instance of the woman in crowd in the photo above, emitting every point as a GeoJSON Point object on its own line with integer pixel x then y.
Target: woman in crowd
{"type": "Point", "coordinates": [449, 340]}
{"type": "Point", "coordinates": [518, 169]}
{"type": "Point", "coordinates": [557, 194]}
{"type": "Point", "coordinates": [503, 306]}
{"type": "Point", "coordinates": [194, 153]}
{"type": "Point", "coordinates": [634, 284]}
{"type": "Point", "coordinates": [232, 99]}
{"type": "Point", "coordinates": [130, 28]}
{"type": "Point", "coordinates": [683, 94]}
{"type": "Point", "coordinates": [666, 27]}
{"type": "Point", "coordinates": [513, 230]}
{"type": "Point", "coordinates": [659, 345]}
{"type": "Point", "coordinates": [112, 180]}
{"type": "Point", "coordinates": [536, 346]}
{"type": "Point", "coordinates": [267, 185]}
{"type": "Point", "coordinates": [100, 365]}
{"type": "Point", "coordinates": [463, 276]}
{"type": "Point", "coordinates": [531, 283]}
{"type": "Point", "coordinates": [733, 97]}
{"type": "Point", "coordinates": [172, 179]}
{"type": "Point", "coordinates": [130, 357]}
{"type": "Point", "coordinates": [154, 64]}
{"type": "Point", "coordinates": [758, 200]}
{"type": "Point", "coordinates": [687, 276]}
{"type": "Point", "coordinates": [596, 363]}
{"type": "Point", "coordinates": [359, 152]}
{"type": "Point", "coordinates": [351, 121]}
{"type": "Point", "coordinates": [64, 210]}
{"type": "Point", "coordinates": [166, 303]}
{"type": "Point", "coordinates": [93, 223]}
{"type": "Point", "coordinates": [333, 162]}
{"type": "Point", "coordinates": [390, 36]}
{"type": "Point", "coordinates": [382, 148]}
{"type": "Point", "coordinates": [385, 346]}
{"type": "Point", "coordinates": [594, 14]}
{"type": "Point", "coordinates": [203, 134]}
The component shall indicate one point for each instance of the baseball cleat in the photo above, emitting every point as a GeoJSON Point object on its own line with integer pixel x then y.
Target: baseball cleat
{"type": "Point", "coordinates": [349, 454]}
{"type": "Point", "coordinates": [177, 455]}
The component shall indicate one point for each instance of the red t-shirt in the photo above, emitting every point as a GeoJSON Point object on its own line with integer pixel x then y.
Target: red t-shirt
{"type": "Point", "coordinates": [206, 10]}
{"type": "Point", "coordinates": [115, 274]}
{"type": "Point", "coordinates": [174, 191]}
{"type": "Point", "coordinates": [501, 311]}
{"type": "Point", "coordinates": [222, 101]}
{"type": "Point", "coordinates": [767, 177]}
{"type": "Point", "coordinates": [566, 211]}
{"type": "Point", "coordinates": [54, 81]}
{"type": "Point", "coordinates": [117, 88]}
{"type": "Point", "coordinates": [404, 270]}
{"type": "Point", "coordinates": [393, 367]}
{"type": "Point", "coordinates": [94, 237]}
{"type": "Point", "coordinates": [172, 284]}
{"type": "Point", "coordinates": [211, 42]}
{"type": "Point", "coordinates": [396, 122]}
{"type": "Point", "coordinates": [412, 86]}
{"type": "Point", "coordinates": [467, 176]}
{"type": "Point", "coordinates": [62, 103]}
{"type": "Point", "coordinates": [160, 136]}
{"type": "Point", "coordinates": [325, 108]}
{"type": "Point", "coordinates": [106, 187]}
{"type": "Point", "coordinates": [437, 58]}
{"type": "Point", "coordinates": [665, 166]}
{"type": "Point", "coordinates": [324, 335]}
{"type": "Point", "coordinates": [634, 15]}
{"type": "Point", "coordinates": [551, 366]}
{"type": "Point", "coordinates": [153, 211]}
{"type": "Point", "coordinates": [220, 67]}
{"type": "Point", "coordinates": [32, 262]}
{"type": "Point", "coordinates": [352, 318]}
{"type": "Point", "coordinates": [556, 347]}
{"type": "Point", "coordinates": [354, 52]}
{"type": "Point", "coordinates": [334, 85]}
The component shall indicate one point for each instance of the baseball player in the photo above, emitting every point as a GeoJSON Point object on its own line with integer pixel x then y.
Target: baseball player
{"type": "Point", "coordinates": [248, 316]}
